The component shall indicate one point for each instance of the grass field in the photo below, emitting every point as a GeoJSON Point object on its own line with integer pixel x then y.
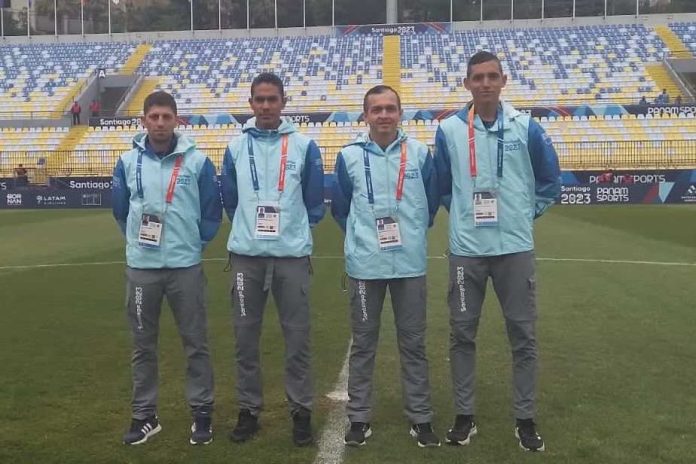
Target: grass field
{"type": "Point", "coordinates": [618, 352]}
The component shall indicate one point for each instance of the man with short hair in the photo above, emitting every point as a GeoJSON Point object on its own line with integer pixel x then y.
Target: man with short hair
{"type": "Point", "coordinates": [75, 110]}
{"type": "Point", "coordinates": [385, 198]}
{"type": "Point", "coordinates": [166, 200]}
{"type": "Point", "coordinates": [273, 192]}
{"type": "Point", "coordinates": [498, 172]}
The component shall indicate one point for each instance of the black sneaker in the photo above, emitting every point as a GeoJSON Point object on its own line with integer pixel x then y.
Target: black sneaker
{"type": "Point", "coordinates": [201, 430]}
{"type": "Point", "coordinates": [464, 428]}
{"type": "Point", "coordinates": [302, 427]}
{"type": "Point", "coordinates": [247, 427]}
{"type": "Point", "coordinates": [358, 434]}
{"type": "Point", "coordinates": [526, 432]}
{"type": "Point", "coordinates": [424, 434]}
{"type": "Point", "coordinates": [141, 430]}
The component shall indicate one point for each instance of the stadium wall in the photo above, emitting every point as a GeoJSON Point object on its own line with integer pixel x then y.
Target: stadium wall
{"type": "Point", "coordinates": [578, 188]}
{"type": "Point", "coordinates": [653, 19]}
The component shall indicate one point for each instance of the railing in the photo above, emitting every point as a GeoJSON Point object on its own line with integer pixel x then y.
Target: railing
{"type": "Point", "coordinates": [627, 154]}
{"type": "Point", "coordinates": [596, 155]}
{"type": "Point", "coordinates": [28, 114]}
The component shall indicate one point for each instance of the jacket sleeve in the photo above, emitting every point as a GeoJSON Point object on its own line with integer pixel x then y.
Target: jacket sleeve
{"type": "Point", "coordinates": [228, 185]}
{"type": "Point", "coordinates": [341, 192]}
{"type": "Point", "coordinates": [313, 184]}
{"type": "Point", "coordinates": [211, 204]}
{"type": "Point", "coordinates": [432, 189]}
{"type": "Point", "coordinates": [120, 196]}
{"type": "Point", "coordinates": [443, 169]}
{"type": "Point", "coordinates": [547, 173]}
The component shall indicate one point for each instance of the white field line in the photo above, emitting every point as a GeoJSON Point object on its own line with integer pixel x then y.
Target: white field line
{"type": "Point", "coordinates": [571, 260]}
{"type": "Point", "coordinates": [331, 447]}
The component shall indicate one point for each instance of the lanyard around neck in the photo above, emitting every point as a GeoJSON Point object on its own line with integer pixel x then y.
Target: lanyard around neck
{"type": "Point", "coordinates": [172, 179]}
{"type": "Point", "coordinates": [283, 163]}
{"type": "Point", "coordinates": [400, 179]}
{"type": "Point", "coordinates": [472, 143]}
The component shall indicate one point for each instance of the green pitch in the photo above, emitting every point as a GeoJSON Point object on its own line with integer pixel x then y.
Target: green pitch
{"type": "Point", "coordinates": [617, 370]}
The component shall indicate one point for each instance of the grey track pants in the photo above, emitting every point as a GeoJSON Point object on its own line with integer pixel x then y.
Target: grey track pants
{"type": "Point", "coordinates": [288, 280]}
{"type": "Point", "coordinates": [409, 303]}
{"type": "Point", "coordinates": [185, 290]}
{"type": "Point", "coordinates": [514, 282]}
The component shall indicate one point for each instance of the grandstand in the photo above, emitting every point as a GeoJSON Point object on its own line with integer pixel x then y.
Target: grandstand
{"type": "Point", "coordinates": [562, 66]}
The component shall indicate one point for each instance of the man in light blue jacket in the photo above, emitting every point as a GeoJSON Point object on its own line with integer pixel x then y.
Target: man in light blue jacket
{"type": "Point", "coordinates": [385, 198]}
{"type": "Point", "coordinates": [273, 192]}
{"type": "Point", "coordinates": [498, 172]}
{"type": "Point", "coordinates": [166, 200]}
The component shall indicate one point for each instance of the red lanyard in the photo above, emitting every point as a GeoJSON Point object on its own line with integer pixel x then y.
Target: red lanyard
{"type": "Point", "coordinates": [402, 173]}
{"type": "Point", "coordinates": [472, 144]}
{"type": "Point", "coordinates": [172, 180]}
{"type": "Point", "coordinates": [283, 162]}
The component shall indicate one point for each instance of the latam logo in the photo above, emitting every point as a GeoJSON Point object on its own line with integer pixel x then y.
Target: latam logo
{"type": "Point", "coordinates": [51, 200]}
{"type": "Point", "coordinates": [14, 199]}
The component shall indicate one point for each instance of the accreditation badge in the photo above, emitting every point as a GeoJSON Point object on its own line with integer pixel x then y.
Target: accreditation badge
{"type": "Point", "coordinates": [268, 220]}
{"type": "Point", "coordinates": [388, 233]}
{"type": "Point", "coordinates": [485, 208]}
{"type": "Point", "coordinates": [150, 233]}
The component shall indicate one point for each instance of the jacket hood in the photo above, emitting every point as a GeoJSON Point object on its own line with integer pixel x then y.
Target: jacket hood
{"type": "Point", "coordinates": [509, 113]}
{"type": "Point", "coordinates": [286, 127]}
{"type": "Point", "coordinates": [184, 143]}
{"type": "Point", "coordinates": [363, 141]}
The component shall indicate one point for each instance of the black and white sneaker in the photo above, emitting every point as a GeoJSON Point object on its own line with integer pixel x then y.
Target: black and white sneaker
{"type": "Point", "coordinates": [302, 428]}
{"type": "Point", "coordinates": [424, 435]}
{"type": "Point", "coordinates": [247, 427]}
{"type": "Point", "coordinates": [141, 430]}
{"type": "Point", "coordinates": [358, 434]}
{"type": "Point", "coordinates": [201, 430]}
{"type": "Point", "coordinates": [464, 428]}
{"type": "Point", "coordinates": [526, 433]}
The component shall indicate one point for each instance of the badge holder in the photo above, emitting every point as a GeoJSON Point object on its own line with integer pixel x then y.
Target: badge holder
{"type": "Point", "coordinates": [150, 233]}
{"type": "Point", "coordinates": [388, 233]}
{"type": "Point", "coordinates": [485, 208]}
{"type": "Point", "coordinates": [268, 221]}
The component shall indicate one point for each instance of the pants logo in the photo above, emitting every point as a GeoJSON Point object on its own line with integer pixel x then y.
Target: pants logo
{"type": "Point", "coordinates": [362, 292]}
{"type": "Point", "coordinates": [462, 291]}
{"type": "Point", "coordinates": [240, 294]}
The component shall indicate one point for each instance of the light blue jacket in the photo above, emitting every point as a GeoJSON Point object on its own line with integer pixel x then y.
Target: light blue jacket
{"type": "Point", "coordinates": [191, 220]}
{"type": "Point", "coordinates": [301, 203]}
{"type": "Point", "coordinates": [356, 216]}
{"type": "Point", "coordinates": [530, 182]}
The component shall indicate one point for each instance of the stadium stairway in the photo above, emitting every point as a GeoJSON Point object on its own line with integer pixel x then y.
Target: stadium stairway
{"type": "Point", "coordinates": [65, 148]}
{"type": "Point", "coordinates": [68, 99]}
{"type": "Point", "coordinates": [674, 43]}
{"type": "Point", "coordinates": [663, 80]}
{"type": "Point", "coordinates": [136, 59]}
{"type": "Point", "coordinates": [391, 64]}
{"type": "Point", "coordinates": [147, 86]}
